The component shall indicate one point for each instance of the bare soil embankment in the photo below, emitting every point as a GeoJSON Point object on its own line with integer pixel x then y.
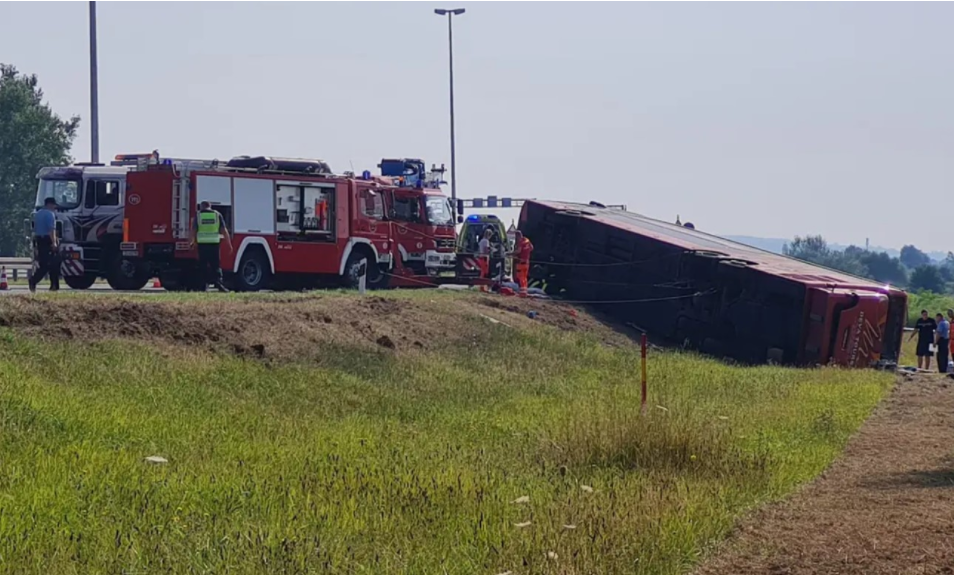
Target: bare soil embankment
{"type": "Point", "coordinates": [290, 327]}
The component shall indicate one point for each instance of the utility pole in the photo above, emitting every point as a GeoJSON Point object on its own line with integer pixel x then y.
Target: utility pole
{"type": "Point", "coordinates": [93, 87]}
{"type": "Point", "coordinates": [450, 44]}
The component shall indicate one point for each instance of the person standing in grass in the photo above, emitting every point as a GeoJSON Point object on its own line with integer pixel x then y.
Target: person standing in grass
{"type": "Point", "coordinates": [942, 342]}
{"type": "Point", "coordinates": [924, 330]}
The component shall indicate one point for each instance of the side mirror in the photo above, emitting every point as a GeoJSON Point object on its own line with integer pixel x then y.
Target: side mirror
{"type": "Point", "coordinates": [460, 219]}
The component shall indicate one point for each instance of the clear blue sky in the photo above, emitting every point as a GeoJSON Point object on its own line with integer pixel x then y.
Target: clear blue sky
{"type": "Point", "coordinates": [765, 119]}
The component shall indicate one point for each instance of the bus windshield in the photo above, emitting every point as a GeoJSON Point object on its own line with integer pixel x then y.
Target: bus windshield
{"type": "Point", "coordinates": [439, 211]}
{"type": "Point", "coordinates": [65, 192]}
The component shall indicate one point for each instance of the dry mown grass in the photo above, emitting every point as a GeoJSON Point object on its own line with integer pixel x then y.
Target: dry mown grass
{"type": "Point", "coordinates": [355, 457]}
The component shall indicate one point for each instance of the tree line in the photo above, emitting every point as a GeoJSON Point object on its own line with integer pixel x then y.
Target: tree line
{"type": "Point", "coordinates": [31, 136]}
{"type": "Point", "coordinates": [913, 269]}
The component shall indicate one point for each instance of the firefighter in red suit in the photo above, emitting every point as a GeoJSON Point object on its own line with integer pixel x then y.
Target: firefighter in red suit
{"type": "Point", "coordinates": [521, 260]}
{"type": "Point", "coordinates": [483, 253]}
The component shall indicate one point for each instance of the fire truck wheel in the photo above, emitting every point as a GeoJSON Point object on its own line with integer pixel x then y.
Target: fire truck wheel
{"type": "Point", "coordinates": [253, 272]}
{"type": "Point", "coordinates": [80, 282]}
{"type": "Point", "coordinates": [376, 279]}
{"type": "Point", "coordinates": [127, 276]}
{"type": "Point", "coordinates": [171, 281]}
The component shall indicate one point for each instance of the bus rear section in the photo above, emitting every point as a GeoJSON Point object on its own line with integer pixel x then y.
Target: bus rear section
{"type": "Point", "coordinates": [853, 327]}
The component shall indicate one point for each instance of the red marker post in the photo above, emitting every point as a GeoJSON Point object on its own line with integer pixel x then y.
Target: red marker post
{"type": "Point", "coordinates": [643, 354]}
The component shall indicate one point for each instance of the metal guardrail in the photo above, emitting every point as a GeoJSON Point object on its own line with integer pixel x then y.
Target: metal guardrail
{"type": "Point", "coordinates": [16, 267]}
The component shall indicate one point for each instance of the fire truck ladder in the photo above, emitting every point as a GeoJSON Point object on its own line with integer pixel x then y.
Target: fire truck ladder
{"type": "Point", "coordinates": [180, 206]}
{"type": "Point", "coordinates": [181, 193]}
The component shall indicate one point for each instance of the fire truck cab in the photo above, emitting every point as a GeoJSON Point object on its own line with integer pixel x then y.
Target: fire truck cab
{"type": "Point", "coordinates": [89, 200]}
{"type": "Point", "coordinates": [293, 223]}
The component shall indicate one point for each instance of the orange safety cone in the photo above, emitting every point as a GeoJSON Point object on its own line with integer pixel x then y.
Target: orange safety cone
{"type": "Point", "coordinates": [156, 283]}
{"type": "Point", "coordinates": [3, 279]}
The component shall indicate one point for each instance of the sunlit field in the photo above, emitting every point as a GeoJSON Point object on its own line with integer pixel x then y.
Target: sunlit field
{"type": "Point", "coordinates": [524, 453]}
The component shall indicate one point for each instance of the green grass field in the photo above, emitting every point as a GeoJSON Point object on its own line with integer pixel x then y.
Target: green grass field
{"type": "Point", "coordinates": [934, 303]}
{"type": "Point", "coordinates": [371, 462]}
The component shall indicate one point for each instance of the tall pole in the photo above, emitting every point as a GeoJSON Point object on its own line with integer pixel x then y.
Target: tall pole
{"type": "Point", "coordinates": [450, 49]}
{"type": "Point", "coordinates": [93, 86]}
{"type": "Point", "coordinates": [450, 46]}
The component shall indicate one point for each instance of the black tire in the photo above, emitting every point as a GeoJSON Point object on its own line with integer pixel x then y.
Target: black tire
{"type": "Point", "coordinates": [253, 273]}
{"type": "Point", "coordinates": [126, 275]}
{"type": "Point", "coordinates": [376, 277]}
{"type": "Point", "coordinates": [85, 281]}
{"type": "Point", "coordinates": [178, 280]}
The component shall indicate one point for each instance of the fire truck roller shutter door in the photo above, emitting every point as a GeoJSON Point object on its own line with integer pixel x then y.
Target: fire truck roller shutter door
{"type": "Point", "coordinates": [254, 210]}
{"type": "Point", "coordinates": [253, 242]}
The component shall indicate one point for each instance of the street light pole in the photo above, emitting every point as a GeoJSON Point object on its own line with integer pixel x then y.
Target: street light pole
{"type": "Point", "coordinates": [450, 47]}
{"type": "Point", "coordinates": [93, 86]}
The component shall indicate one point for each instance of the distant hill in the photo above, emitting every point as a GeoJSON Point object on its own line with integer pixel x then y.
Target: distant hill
{"type": "Point", "coordinates": [776, 244]}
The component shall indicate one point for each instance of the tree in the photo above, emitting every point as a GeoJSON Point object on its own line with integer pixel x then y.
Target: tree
{"type": "Point", "coordinates": [31, 136]}
{"type": "Point", "coordinates": [855, 251]}
{"type": "Point", "coordinates": [927, 278]}
{"type": "Point", "coordinates": [946, 267]}
{"type": "Point", "coordinates": [884, 268]}
{"type": "Point", "coordinates": [808, 248]}
{"type": "Point", "coordinates": [814, 249]}
{"type": "Point", "coordinates": [912, 257]}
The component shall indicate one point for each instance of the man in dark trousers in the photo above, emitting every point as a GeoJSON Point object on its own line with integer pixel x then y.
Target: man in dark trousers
{"type": "Point", "coordinates": [208, 232]}
{"type": "Point", "coordinates": [46, 246]}
{"type": "Point", "coordinates": [924, 330]}
{"type": "Point", "coordinates": [942, 342]}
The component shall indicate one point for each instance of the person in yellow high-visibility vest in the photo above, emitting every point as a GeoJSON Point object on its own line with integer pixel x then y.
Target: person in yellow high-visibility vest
{"type": "Point", "coordinates": [208, 232]}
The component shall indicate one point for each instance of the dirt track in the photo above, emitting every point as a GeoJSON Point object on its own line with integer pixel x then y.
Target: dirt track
{"type": "Point", "coordinates": [292, 327]}
{"type": "Point", "coordinates": [885, 507]}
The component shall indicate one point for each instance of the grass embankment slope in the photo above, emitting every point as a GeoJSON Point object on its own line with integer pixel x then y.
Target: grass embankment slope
{"type": "Point", "coordinates": [932, 302]}
{"type": "Point", "coordinates": [404, 434]}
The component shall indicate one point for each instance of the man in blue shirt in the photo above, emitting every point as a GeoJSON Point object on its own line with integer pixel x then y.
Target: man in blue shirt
{"type": "Point", "coordinates": [45, 246]}
{"type": "Point", "coordinates": [942, 342]}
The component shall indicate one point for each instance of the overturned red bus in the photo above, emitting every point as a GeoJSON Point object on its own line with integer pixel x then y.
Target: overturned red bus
{"type": "Point", "coordinates": [712, 294]}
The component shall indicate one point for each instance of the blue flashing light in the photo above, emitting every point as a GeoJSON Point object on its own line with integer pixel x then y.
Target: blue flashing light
{"type": "Point", "coordinates": [473, 218]}
{"type": "Point", "coordinates": [366, 175]}
{"type": "Point", "coordinates": [167, 162]}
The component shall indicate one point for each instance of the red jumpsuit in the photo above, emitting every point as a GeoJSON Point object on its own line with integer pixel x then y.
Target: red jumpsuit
{"type": "Point", "coordinates": [483, 258]}
{"type": "Point", "coordinates": [521, 262]}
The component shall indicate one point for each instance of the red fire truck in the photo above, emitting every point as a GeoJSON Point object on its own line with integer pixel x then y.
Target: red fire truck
{"type": "Point", "coordinates": [293, 223]}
